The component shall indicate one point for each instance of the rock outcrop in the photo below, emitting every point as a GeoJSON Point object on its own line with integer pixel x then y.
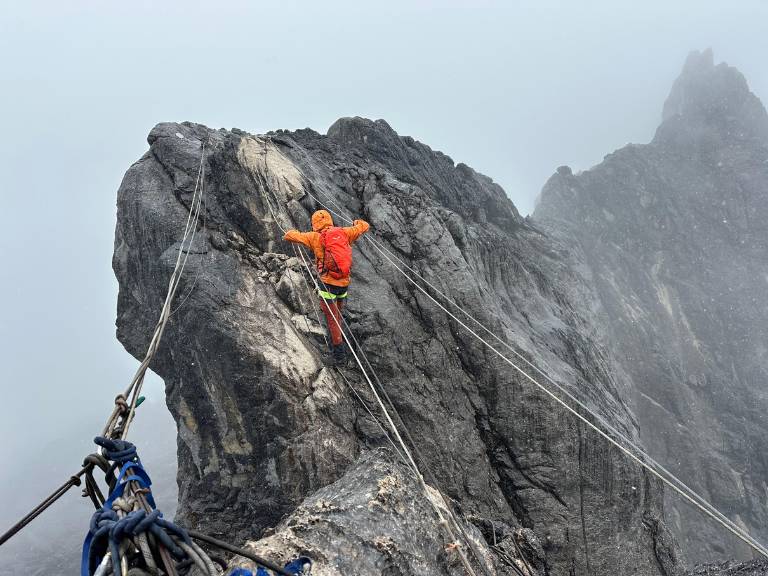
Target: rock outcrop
{"type": "Point", "coordinates": [674, 234]}
{"type": "Point", "coordinates": [264, 425]}
{"type": "Point", "coordinates": [731, 568]}
{"type": "Point", "coordinates": [373, 520]}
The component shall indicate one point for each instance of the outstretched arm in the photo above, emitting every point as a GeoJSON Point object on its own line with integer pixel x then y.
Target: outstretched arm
{"type": "Point", "coordinates": [299, 237]}
{"type": "Point", "coordinates": [358, 228]}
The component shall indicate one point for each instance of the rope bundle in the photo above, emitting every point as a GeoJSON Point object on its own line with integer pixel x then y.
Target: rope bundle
{"type": "Point", "coordinates": [125, 533]}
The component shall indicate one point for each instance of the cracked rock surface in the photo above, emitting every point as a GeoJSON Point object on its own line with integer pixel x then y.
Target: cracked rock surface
{"type": "Point", "coordinates": [373, 520]}
{"type": "Point", "coordinates": [263, 424]}
{"type": "Point", "coordinates": [731, 568]}
{"type": "Point", "coordinates": [266, 431]}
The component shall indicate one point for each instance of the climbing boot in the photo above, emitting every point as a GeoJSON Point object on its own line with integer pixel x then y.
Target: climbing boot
{"type": "Point", "coordinates": [339, 355]}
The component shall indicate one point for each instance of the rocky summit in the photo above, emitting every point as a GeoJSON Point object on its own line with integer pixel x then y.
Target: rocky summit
{"type": "Point", "coordinates": [610, 291]}
{"type": "Point", "coordinates": [674, 234]}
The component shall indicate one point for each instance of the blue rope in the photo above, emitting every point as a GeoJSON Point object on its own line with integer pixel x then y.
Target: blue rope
{"type": "Point", "coordinates": [300, 566]}
{"type": "Point", "coordinates": [107, 530]}
{"type": "Point", "coordinates": [117, 451]}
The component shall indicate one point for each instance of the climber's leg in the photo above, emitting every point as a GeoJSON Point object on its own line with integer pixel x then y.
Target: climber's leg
{"type": "Point", "coordinates": [333, 318]}
{"type": "Point", "coordinates": [341, 299]}
{"type": "Point", "coordinates": [331, 301]}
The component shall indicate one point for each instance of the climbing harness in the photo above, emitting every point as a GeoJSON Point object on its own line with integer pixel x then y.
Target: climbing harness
{"type": "Point", "coordinates": [639, 455]}
{"type": "Point", "coordinates": [328, 295]}
{"type": "Point", "coordinates": [127, 531]}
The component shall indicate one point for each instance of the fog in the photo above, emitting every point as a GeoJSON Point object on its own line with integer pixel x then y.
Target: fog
{"type": "Point", "coordinates": [513, 89]}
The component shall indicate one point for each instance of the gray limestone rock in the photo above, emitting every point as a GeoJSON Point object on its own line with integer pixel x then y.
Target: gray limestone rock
{"type": "Point", "coordinates": [373, 520]}
{"type": "Point", "coordinates": [674, 236]}
{"type": "Point", "coordinates": [731, 568]}
{"type": "Point", "coordinates": [263, 424]}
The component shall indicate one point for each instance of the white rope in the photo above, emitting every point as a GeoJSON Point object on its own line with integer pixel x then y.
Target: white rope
{"type": "Point", "coordinates": [410, 460]}
{"type": "Point", "coordinates": [134, 388]}
{"type": "Point", "coordinates": [673, 482]}
{"type": "Point", "coordinates": [187, 240]}
{"type": "Point", "coordinates": [347, 382]}
{"type": "Point", "coordinates": [347, 330]}
{"type": "Point", "coordinates": [403, 445]}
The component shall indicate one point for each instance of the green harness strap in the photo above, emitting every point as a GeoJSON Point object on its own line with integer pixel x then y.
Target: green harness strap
{"type": "Point", "coordinates": [328, 296]}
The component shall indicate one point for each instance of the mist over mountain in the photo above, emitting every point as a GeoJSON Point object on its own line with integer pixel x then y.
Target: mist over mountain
{"type": "Point", "coordinates": [53, 542]}
{"type": "Point", "coordinates": [636, 285]}
{"type": "Point", "coordinates": [675, 236]}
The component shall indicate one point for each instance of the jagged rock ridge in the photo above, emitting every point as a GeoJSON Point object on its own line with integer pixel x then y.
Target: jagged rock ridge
{"type": "Point", "coordinates": [675, 236]}
{"type": "Point", "coordinates": [264, 425]}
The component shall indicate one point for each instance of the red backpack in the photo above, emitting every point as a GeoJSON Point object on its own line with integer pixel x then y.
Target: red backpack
{"type": "Point", "coordinates": [337, 253]}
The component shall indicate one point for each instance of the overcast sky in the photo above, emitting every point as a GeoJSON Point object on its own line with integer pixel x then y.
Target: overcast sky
{"type": "Point", "coordinates": [513, 89]}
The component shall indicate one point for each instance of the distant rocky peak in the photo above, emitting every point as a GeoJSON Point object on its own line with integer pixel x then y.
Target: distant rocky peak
{"type": "Point", "coordinates": [358, 130]}
{"type": "Point", "coordinates": [708, 99]}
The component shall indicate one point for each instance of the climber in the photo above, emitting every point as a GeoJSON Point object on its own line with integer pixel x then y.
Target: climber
{"type": "Point", "coordinates": [333, 258]}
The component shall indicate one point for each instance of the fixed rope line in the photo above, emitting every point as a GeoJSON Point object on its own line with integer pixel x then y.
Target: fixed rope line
{"type": "Point", "coordinates": [582, 405]}
{"type": "Point", "coordinates": [197, 274]}
{"type": "Point", "coordinates": [715, 516]}
{"type": "Point", "coordinates": [348, 330]}
{"type": "Point", "coordinates": [430, 476]}
{"type": "Point", "coordinates": [414, 466]}
{"type": "Point", "coordinates": [347, 382]}
{"type": "Point", "coordinates": [134, 389]}
{"type": "Point", "coordinates": [190, 230]}
{"type": "Point", "coordinates": [433, 480]}
{"type": "Point", "coordinates": [121, 406]}
{"type": "Point", "coordinates": [127, 410]}
{"type": "Point", "coordinates": [673, 482]}
{"type": "Point", "coordinates": [407, 452]}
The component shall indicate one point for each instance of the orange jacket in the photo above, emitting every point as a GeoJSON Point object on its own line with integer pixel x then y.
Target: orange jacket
{"type": "Point", "coordinates": [320, 220]}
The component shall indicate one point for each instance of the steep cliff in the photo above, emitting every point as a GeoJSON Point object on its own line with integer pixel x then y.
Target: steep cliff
{"type": "Point", "coordinates": [263, 425]}
{"type": "Point", "coordinates": [675, 236]}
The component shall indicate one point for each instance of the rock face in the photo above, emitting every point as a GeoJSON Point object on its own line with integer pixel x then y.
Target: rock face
{"type": "Point", "coordinates": [373, 520]}
{"type": "Point", "coordinates": [263, 424]}
{"type": "Point", "coordinates": [731, 568]}
{"type": "Point", "coordinates": [675, 237]}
